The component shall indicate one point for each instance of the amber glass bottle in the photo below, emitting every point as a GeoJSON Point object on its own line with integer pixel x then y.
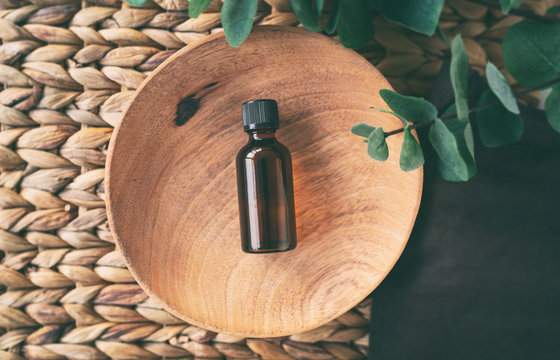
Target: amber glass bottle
{"type": "Point", "coordinates": [264, 183]}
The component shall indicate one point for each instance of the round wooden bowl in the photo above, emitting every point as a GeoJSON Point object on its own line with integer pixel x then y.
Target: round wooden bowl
{"type": "Point", "coordinates": [172, 184]}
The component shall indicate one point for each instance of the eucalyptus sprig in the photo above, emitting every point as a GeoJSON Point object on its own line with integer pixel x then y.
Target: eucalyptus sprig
{"type": "Point", "coordinates": [352, 19]}
{"type": "Point", "coordinates": [531, 54]}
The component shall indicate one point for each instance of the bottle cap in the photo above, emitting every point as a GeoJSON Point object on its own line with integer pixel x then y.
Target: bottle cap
{"type": "Point", "coordinates": [260, 114]}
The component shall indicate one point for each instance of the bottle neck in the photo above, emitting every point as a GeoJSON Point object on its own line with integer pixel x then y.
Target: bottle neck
{"type": "Point", "coordinates": [262, 134]}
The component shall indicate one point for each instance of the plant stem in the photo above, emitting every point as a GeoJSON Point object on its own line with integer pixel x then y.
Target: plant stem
{"type": "Point", "coordinates": [480, 107]}
{"type": "Point", "coordinates": [522, 13]}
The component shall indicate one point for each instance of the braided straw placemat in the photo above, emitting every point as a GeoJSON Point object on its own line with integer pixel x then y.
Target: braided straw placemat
{"type": "Point", "coordinates": [68, 68]}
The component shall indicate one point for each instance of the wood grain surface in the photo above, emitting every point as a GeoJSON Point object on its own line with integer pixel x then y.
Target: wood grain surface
{"type": "Point", "coordinates": [172, 185]}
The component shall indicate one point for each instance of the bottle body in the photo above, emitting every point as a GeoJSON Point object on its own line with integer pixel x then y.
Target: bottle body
{"type": "Point", "coordinates": [266, 194]}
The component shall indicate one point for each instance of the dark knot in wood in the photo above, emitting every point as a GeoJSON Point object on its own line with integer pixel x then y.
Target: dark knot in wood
{"type": "Point", "coordinates": [186, 109]}
{"type": "Point", "coordinates": [189, 105]}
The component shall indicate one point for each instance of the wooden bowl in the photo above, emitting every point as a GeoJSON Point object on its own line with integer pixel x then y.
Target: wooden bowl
{"type": "Point", "coordinates": [172, 184]}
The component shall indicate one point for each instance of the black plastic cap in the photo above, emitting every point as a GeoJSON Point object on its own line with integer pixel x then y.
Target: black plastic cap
{"type": "Point", "coordinates": [260, 114]}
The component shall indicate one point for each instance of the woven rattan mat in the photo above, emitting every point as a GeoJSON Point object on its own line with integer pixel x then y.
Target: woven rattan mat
{"type": "Point", "coordinates": [68, 68]}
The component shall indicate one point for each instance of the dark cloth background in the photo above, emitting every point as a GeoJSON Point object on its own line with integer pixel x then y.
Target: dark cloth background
{"type": "Point", "coordinates": [480, 276]}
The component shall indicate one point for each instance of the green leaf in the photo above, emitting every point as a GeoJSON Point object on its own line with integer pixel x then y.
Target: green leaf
{"type": "Point", "coordinates": [377, 146]}
{"type": "Point", "coordinates": [196, 7]}
{"type": "Point", "coordinates": [421, 16]}
{"type": "Point", "coordinates": [355, 25]}
{"type": "Point", "coordinates": [496, 125]}
{"type": "Point", "coordinates": [552, 108]}
{"type": "Point", "coordinates": [403, 120]}
{"type": "Point", "coordinates": [459, 77]}
{"type": "Point", "coordinates": [442, 35]}
{"type": "Point", "coordinates": [553, 10]}
{"type": "Point", "coordinates": [306, 14]}
{"type": "Point", "coordinates": [465, 143]}
{"type": "Point", "coordinates": [319, 6]}
{"type": "Point", "coordinates": [362, 129]}
{"type": "Point", "coordinates": [532, 52]}
{"type": "Point", "coordinates": [137, 3]}
{"type": "Point", "coordinates": [411, 108]}
{"type": "Point", "coordinates": [333, 19]}
{"type": "Point", "coordinates": [507, 5]}
{"type": "Point", "coordinates": [411, 152]}
{"type": "Point", "coordinates": [447, 149]}
{"type": "Point", "coordinates": [237, 20]}
{"type": "Point", "coordinates": [500, 87]}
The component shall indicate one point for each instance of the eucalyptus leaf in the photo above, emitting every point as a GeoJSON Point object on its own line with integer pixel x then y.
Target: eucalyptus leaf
{"type": "Point", "coordinates": [355, 25]}
{"type": "Point", "coordinates": [403, 120]}
{"type": "Point", "coordinates": [333, 19]}
{"type": "Point", "coordinates": [137, 3]}
{"type": "Point", "coordinates": [196, 7]}
{"type": "Point", "coordinates": [362, 129]}
{"type": "Point", "coordinates": [306, 14]}
{"type": "Point", "coordinates": [411, 108]}
{"type": "Point", "coordinates": [421, 16]}
{"type": "Point", "coordinates": [377, 146]}
{"type": "Point", "coordinates": [459, 77]}
{"type": "Point", "coordinates": [442, 35]}
{"type": "Point", "coordinates": [500, 87]}
{"type": "Point", "coordinates": [445, 171]}
{"type": "Point", "coordinates": [532, 52]}
{"type": "Point", "coordinates": [319, 6]}
{"type": "Point", "coordinates": [496, 125]}
{"type": "Point", "coordinates": [447, 149]}
{"type": "Point", "coordinates": [507, 5]}
{"type": "Point", "coordinates": [237, 20]}
{"type": "Point", "coordinates": [552, 108]}
{"type": "Point", "coordinates": [465, 143]}
{"type": "Point", "coordinates": [411, 153]}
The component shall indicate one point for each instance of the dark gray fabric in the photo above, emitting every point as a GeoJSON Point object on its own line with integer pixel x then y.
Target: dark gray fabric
{"type": "Point", "coordinates": [480, 276]}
